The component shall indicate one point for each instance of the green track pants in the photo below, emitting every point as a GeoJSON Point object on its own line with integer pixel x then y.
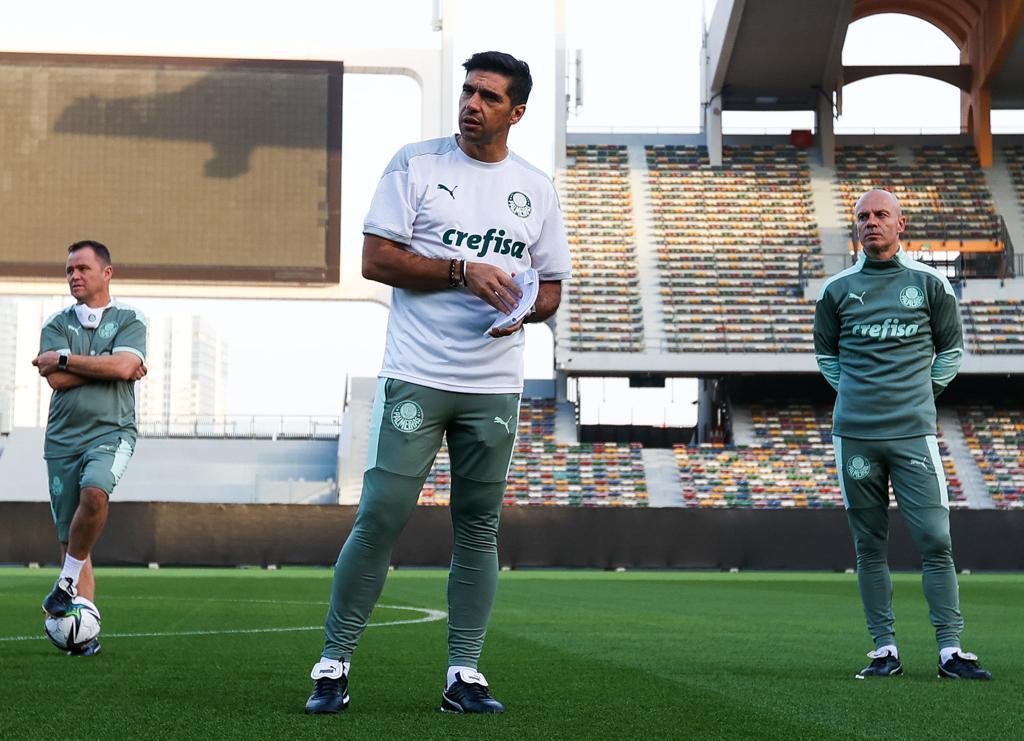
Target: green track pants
{"type": "Point", "coordinates": [407, 426]}
{"type": "Point", "coordinates": [914, 467]}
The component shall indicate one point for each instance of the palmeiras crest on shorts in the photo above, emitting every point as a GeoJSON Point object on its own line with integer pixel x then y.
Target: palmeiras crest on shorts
{"type": "Point", "coordinates": [858, 467]}
{"type": "Point", "coordinates": [912, 297]}
{"type": "Point", "coordinates": [407, 416]}
{"type": "Point", "coordinates": [56, 486]}
{"type": "Point", "coordinates": [519, 204]}
{"type": "Point", "coordinates": [108, 330]}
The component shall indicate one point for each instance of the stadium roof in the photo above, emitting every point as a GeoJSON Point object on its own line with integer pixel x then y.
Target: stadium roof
{"type": "Point", "coordinates": [777, 54]}
{"type": "Point", "coordinates": [787, 55]}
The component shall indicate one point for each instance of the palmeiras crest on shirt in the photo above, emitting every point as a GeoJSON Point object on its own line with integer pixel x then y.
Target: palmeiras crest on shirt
{"type": "Point", "coordinates": [407, 416]}
{"type": "Point", "coordinates": [519, 204]}
{"type": "Point", "coordinates": [912, 297]}
{"type": "Point", "coordinates": [108, 330]}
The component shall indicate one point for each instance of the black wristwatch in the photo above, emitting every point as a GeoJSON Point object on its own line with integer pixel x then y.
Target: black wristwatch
{"type": "Point", "coordinates": [62, 362]}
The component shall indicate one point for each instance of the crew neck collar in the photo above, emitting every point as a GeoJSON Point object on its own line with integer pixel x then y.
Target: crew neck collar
{"type": "Point", "coordinates": [480, 163]}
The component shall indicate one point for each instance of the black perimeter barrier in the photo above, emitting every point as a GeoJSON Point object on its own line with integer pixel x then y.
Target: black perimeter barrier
{"type": "Point", "coordinates": [180, 534]}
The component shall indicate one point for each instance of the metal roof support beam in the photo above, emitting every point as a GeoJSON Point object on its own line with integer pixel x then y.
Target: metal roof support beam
{"type": "Point", "coordinates": [719, 40]}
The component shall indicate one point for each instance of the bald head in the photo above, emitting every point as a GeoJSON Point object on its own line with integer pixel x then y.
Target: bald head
{"type": "Point", "coordinates": [880, 221]}
{"type": "Point", "coordinates": [878, 196]}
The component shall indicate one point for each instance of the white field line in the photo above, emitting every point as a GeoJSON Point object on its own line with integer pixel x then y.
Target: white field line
{"type": "Point", "coordinates": [428, 616]}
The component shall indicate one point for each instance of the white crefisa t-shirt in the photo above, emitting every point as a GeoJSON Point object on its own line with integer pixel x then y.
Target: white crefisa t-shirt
{"type": "Point", "coordinates": [442, 203]}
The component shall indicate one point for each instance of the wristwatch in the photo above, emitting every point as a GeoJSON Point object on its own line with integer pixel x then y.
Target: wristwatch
{"type": "Point", "coordinates": [62, 362]}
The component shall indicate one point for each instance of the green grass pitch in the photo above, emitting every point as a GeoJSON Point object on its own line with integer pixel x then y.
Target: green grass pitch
{"type": "Point", "coordinates": [574, 655]}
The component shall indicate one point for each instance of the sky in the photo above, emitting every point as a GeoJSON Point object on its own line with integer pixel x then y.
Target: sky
{"type": "Point", "coordinates": [628, 48]}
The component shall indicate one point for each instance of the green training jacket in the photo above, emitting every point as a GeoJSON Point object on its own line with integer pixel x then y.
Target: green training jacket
{"type": "Point", "coordinates": [887, 337]}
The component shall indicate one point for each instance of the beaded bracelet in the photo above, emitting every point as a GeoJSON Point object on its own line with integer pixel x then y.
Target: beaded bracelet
{"type": "Point", "coordinates": [453, 280]}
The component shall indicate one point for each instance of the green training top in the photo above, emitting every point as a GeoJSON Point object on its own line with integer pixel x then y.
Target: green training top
{"type": "Point", "coordinates": [877, 327]}
{"type": "Point", "coordinates": [99, 411]}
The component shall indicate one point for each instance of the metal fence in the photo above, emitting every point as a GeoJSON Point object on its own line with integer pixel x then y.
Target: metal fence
{"type": "Point", "coordinates": [260, 427]}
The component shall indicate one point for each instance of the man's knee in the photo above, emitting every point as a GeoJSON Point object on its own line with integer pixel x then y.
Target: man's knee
{"type": "Point", "coordinates": [935, 543]}
{"type": "Point", "coordinates": [93, 501]}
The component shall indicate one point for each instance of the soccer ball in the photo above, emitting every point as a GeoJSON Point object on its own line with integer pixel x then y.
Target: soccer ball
{"type": "Point", "coordinates": [71, 632]}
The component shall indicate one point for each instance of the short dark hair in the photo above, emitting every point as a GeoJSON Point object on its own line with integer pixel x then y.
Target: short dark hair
{"type": "Point", "coordinates": [516, 70]}
{"type": "Point", "coordinates": [99, 248]}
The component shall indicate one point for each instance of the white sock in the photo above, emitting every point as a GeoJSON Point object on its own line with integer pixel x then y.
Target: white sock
{"type": "Point", "coordinates": [469, 674]}
{"type": "Point", "coordinates": [72, 569]}
{"type": "Point", "coordinates": [945, 654]}
{"type": "Point", "coordinates": [883, 650]}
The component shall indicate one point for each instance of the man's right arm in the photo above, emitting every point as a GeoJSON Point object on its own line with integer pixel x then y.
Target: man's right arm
{"type": "Point", "coordinates": [826, 339]}
{"type": "Point", "coordinates": [62, 381]}
{"type": "Point", "coordinates": [391, 263]}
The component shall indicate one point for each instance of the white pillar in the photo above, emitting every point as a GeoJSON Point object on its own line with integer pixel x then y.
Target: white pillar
{"type": "Point", "coordinates": [561, 109]}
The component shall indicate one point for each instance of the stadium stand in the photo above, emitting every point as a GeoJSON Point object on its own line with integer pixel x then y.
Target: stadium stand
{"type": "Point", "coordinates": [943, 192]}
{"type": "Point", "coordinates": [993, 326]}
{"type": "Point", "coordinates": [1014, 155]}
{"type": "Point", "coordinates": [544, 472]}
{"type": "Point", "coordinates": [995, 437]}
{"type": "Point", "coordinates": [604, 303]}
{"type": "Point", "coordinates": [730, 244]}
{"type": "Point", "coordinates": [792, 464]}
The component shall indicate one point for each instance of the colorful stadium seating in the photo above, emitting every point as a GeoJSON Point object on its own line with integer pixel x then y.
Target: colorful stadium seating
{"type": "Point", "coordinates": [603, 297]}
{"type": "Point", "coordinates": [730, 244]}
{"type": "Point", "coordinates": [993, 326]}
{"type": "Point", "coordinates": [943, 191]}
{"type": "Point", "coordinates": [792, 464]}
{"type": "Point", "coordinates": [546, 472]}
{"type": "Point", "coordinates": [995, 437]}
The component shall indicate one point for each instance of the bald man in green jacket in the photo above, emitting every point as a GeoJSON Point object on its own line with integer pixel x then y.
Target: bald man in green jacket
{"type": "Point", "coordinates": [887, 337]}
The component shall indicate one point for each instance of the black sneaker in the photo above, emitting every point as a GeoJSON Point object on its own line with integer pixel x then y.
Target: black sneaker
{"type": "Point", "coordinates": [89, 649]}
{"type": "Point", "coordinates": [469, 694]}
{"type": "Point", "coordinates": [58, 601]}
{"type": "Point", "coordinates": [330, 689]}
{"type": "Point", "coordinates": [883, 664]}
{"type": "Point", "coordinates": [963, 665]}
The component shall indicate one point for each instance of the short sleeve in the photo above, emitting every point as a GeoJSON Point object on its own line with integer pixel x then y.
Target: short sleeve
{"type": "Point", "coordinates": [131, 337]}
{"type": "Point", "coordinates": [54, 336]}
{"type": "Point", "coordinates": [392, 210]}
{"type": "Point", "coordinates": [550, 255]}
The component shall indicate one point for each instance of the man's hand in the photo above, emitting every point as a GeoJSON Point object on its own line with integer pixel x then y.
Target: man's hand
{"type": "Point", "coordinates": [494, 286]}
{"type": "Point", "coordinates": [47, 362]}
{"type": "Point", "coordinates": [140, 372]}
{"type": "Point", "coordinates": [505, 332]}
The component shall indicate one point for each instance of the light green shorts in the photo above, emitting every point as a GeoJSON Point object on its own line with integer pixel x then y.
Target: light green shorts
{"type": "Point", "coordinates": [100, 467]}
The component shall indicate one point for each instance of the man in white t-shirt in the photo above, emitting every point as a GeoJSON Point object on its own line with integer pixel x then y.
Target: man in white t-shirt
{"type": "Point", "coordinates": [452, 222]}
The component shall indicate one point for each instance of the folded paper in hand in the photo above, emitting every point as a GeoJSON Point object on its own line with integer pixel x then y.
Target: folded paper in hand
{"type": "Point", "coordinates": [529, 284]}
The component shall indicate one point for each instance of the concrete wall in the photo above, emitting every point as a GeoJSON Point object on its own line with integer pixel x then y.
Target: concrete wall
{"type": "Point", "coordinates": [192, 470]}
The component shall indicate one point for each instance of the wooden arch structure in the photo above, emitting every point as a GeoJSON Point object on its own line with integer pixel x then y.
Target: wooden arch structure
{"type": "Point", "coordinates": [984, 31]}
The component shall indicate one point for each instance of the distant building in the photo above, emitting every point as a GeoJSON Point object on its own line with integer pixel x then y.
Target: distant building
{"type": "Point", "coordinates": [188, 370]}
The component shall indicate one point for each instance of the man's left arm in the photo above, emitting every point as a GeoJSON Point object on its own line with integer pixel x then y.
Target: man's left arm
{"type": "Point", "coordinates": [948, 337]}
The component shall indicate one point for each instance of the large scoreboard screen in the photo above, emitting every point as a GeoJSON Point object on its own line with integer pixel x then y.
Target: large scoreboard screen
{"type": "Point", "coordinates": [212, 170]}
